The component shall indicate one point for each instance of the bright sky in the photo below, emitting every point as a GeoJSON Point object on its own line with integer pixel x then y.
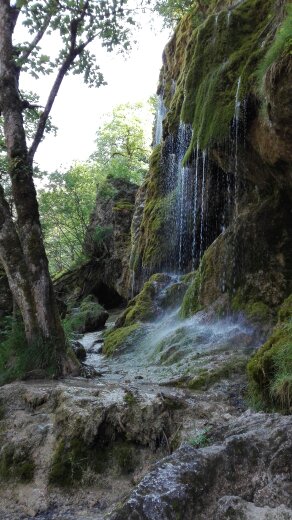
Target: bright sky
{"type": "Point", "coordinates": [78, 110]}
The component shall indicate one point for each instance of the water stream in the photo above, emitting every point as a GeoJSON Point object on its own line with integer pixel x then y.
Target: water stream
{"type": "Point", "coordinates": [170, 348]}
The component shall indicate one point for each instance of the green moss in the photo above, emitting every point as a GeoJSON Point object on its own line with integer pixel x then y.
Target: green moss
{"type": "Point", "coordinates": [270, 369]}
{"type": "Point", "coordinates": [125, 456]}
{"type": "Point", "coordinates": [73, 459]}
{"type": "Point", "coordinates": [212, 64]}
{"type": "Point", "coordinates": [143, 308]}
{"type": "Point", "coordinates": [123, 205]}
{"type": "Point", "coordinates": [190, 304]}
{"type": "Point", "coordinates": [207, 378]}
{"type": "Point", "coordinates": [254, 310]}
{"type": "Point", "coordinates": [78, 320]}
{"type": "Point", "coordinates": [281, 46]}
{"type": "Point", "coordinates": [118, 338]}
{"type": "Point", "coordinates": [16, 464]}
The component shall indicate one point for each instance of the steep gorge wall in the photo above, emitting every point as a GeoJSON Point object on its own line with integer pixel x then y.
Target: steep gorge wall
{"type": "Point", "coordinates": [220, 179]}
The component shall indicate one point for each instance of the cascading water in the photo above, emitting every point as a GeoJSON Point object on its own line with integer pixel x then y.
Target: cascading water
{"type": "Point", "coordinates": [195, 219]}
{"type": "Point", "coordinates": [202, 203]}
{"type": "Point", "coordinates": [172, 349]}
{"type": "Point", "coordinates": [160, 115]}
{"type": "Point", "coordinates": [184, 138]}
{"type": "Point", "coordinates": [236, 138]}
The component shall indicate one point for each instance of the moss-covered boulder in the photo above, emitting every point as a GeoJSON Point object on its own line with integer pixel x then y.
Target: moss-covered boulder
{"type": "Point", "coordinates": [159, 293]}
{"type": "Point", "coordinates": [270, 369]}
{"type": "Point", "coordinates": [87, 317]}
{"type": "Point", "coordinates": [146, 305]}
{"type": "Point", "coordinates": [245, 270]}
{"type": "Point", "coordinates": [120, 338]}
{"type": "Point", "coordinates": [16, 463]}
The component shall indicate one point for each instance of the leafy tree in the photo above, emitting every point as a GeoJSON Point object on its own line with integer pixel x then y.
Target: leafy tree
{"type": "Point", "coordinates": [22, 253]}
{"type": "Point", "coordinates": [66, 199]}
{"type": "Point", "coordinates": [66, 202]}
{"type": "Point", "coordinates": [173, 10]}
{"type": "Point", "coordinates": [121, 146]}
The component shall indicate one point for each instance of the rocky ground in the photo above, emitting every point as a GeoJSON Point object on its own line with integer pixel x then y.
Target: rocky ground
{"type": "Point", "coordinates": [129, 443]}
{"type": "Point", "coordinates": [218, 460]}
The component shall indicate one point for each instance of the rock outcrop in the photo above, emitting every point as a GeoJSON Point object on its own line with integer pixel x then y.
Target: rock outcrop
{"type": "Point", "coordinates": [107, 245]}
{"type": "Point", "coordinates": [248, 476]}
{"type": "Point", "coordinates": [220, 180]}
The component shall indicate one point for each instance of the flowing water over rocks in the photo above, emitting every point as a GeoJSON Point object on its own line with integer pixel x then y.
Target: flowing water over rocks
{"type": "Point", "coordinates": [176, 395]}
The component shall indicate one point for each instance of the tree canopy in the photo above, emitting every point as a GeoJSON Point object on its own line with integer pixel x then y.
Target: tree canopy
{"type": "Point", "coordinates": [67, 199]}
{"type": "Point", "coordinates": [75, 25]}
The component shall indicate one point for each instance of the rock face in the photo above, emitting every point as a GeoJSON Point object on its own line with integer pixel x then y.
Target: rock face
{"type": "Point", "coordinates": [248, 476]}
{"type": "Point", "coordinates": [107, 244]}
{"type": "Point", "coordinates": [220, 179]}
{"type": "Point", "coordinates": [217, 198]}
{"type": "Point", "coordinates": [74, 448]}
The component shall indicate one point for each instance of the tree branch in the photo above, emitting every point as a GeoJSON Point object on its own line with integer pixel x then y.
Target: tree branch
{"type": "Point", "coordinates": [68, 61]}
{"type": "Point", "coordinates": [26, 53]}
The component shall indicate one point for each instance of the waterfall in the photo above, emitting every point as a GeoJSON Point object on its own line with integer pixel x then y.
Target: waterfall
{"type": "Point", "coordinates": [160, 115]}
{"type": "Point", "coordinates": [184, 138]}
{"type": "Point", "coordinates": [236, 128]}
{"type": "Point", "coordinates": [195, 208]}
{"type": "Point", "coordinates": [228, 18]}
{"type": "Point", "coordinates": [202, 203]}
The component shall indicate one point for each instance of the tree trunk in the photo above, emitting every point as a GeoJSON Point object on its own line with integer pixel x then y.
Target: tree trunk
{"type": "Point", "coordinates": [26, 266]}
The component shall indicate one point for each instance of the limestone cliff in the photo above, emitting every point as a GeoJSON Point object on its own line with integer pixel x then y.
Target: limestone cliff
{"type": "Point", "coordinates": [107, 245]}
{"type": "Point", "coordinates": [220, 179]}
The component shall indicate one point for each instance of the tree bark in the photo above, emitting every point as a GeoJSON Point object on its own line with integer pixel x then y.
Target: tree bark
{"type": "Point", "coordinates": [30, 284]}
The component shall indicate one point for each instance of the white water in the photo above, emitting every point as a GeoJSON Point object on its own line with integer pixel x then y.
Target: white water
{"type": "Point", "coordinates": [202, 203]}
{"type": "Point", "coordinates": [236, 128]}
{"type": "Point", "coordinates": [194, 244]}
{"type": "Point", "coordinates": [160, 115]}
{"type": "Point", "coordinates": [170, 348]}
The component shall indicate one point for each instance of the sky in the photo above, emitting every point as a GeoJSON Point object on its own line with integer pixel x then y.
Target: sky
{"type": "Point", "coordinates": [79, 110]}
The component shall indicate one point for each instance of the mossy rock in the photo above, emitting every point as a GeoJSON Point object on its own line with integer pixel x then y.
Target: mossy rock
{"type": "Point", "coordinates": [123, 205]}
{"type": "Point", "coordinates": [145, 306]}
{"type": "Point", "coordinates": [207, 378]}
{"type": "Point", "coordinates": [74, 461]}
{"type": "Point", "coordinates": [120, 338]}
{"type": "Point", "coordinates": [207, 72]}
{"type": "Point", "coordinates": [190, 304]}
{"type": "Point", "coordinates": [173, 295]}
{"type": "Point", "coordinates": [270, 369]}
{"type": "Point", "coordinates": [87, 317]}
{"type": "Point", "coordinates": [16, 463]}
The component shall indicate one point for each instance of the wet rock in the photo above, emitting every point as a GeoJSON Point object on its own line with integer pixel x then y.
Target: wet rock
{"type": "Point", "coordinates": [194, 483]}
{"type": "Point", "coordinates": [235, 507]}
{"type": "Point", "coordinates": [79, 350]}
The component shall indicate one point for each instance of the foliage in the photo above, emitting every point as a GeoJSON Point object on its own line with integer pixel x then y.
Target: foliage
{"type": "Point", "coordinates": [172, 10]}
{"type": "Point", "coordinates": [66, 200]}
{"type": "Point", "coordinates": [201, 439]}
{"type": "Point", "coordinates": [17, 358]}
{"type": "Point", "coordinates": [281, 45]}
{"type": "Point", "coordinates": [270, 369]}
{"type": "Point", "coordinates": [121, 145]}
